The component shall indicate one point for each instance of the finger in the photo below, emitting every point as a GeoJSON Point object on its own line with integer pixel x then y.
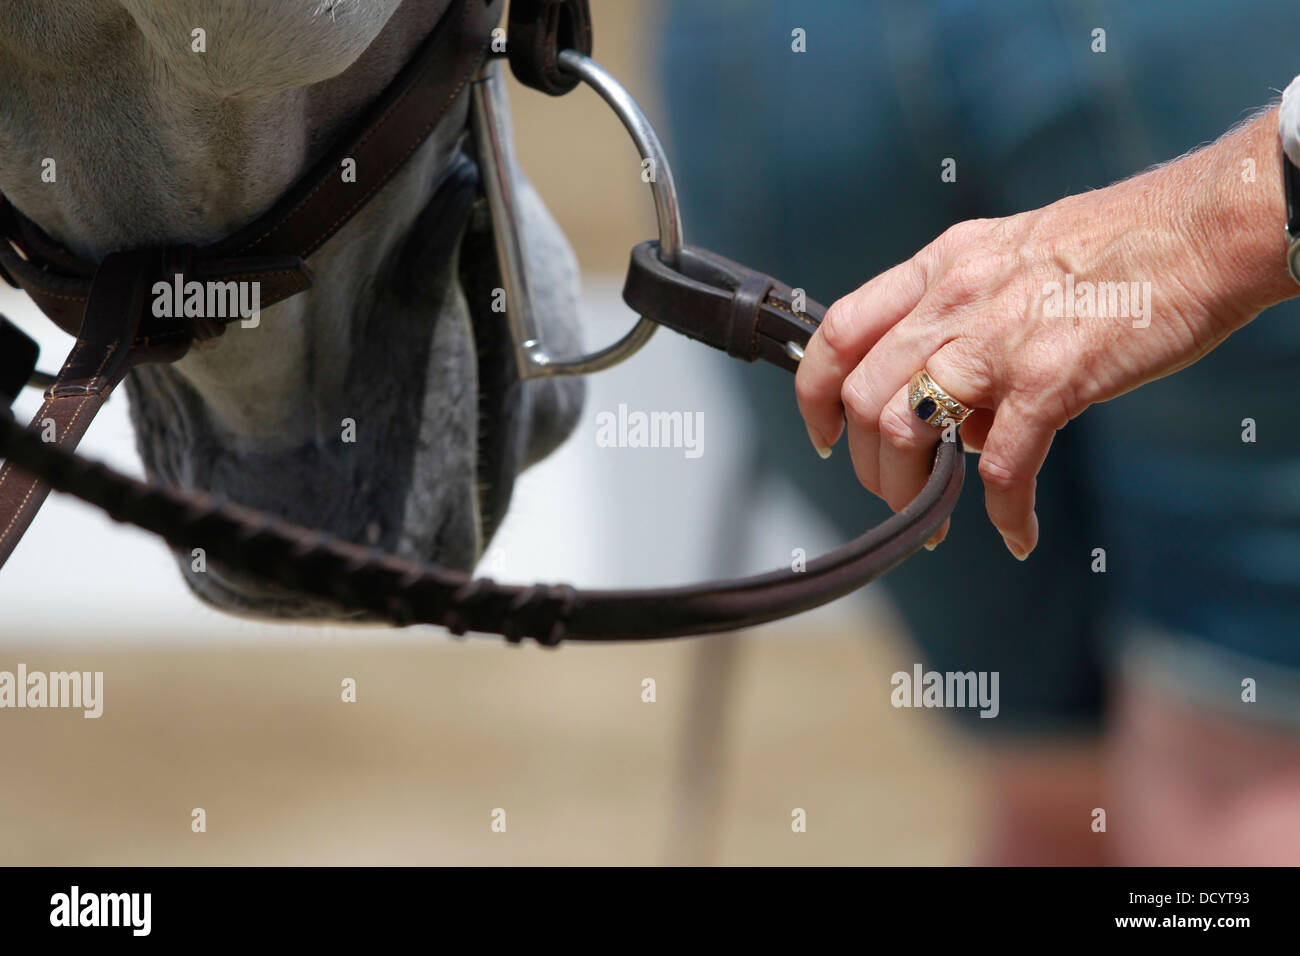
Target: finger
{"type": "Point", "coordinates": [851, 328]}
{"type": "Point", "coordinates": [911, 345]}
{"type": "Point", "coordinates": [937, 538]}
{"type": "Point", "coordinates": [975, 430]}
{"type": "Point", "coordinates": [882, 374]}
{"type": "Point", "coordinates": [864, 447]}
{"type": "Point", "coordinates": [1015, 450]}
{"type": "Point", "coordinates": [906, 451]}
{"type": "Point", "coordinates": [878, 412]}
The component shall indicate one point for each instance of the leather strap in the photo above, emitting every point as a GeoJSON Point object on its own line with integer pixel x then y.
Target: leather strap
{"type": "Point", "coordinates": [21, 492]}
{"type": "Point", "coordinates": [272, 248]}
{"type": "Point", "coordinates": [742, 334]}
{"type": "Point", "coordinates": [405, 592]}
{"type": "Point", "coordinates": [59, 283]}
{"type": "Point", "coordinates": [391, 131]}
{"type": "Point", "coordinates": [714, 301]}
{"type": "Point", "coordinates": [539, 30]}
{"type": "Point", "coordinates": [711, 299]}
{"type": "Point", "coordinates": [717, 302]}
{"type": "Point", "coordinates": [99, 360]}
{"type": "Point", "coordinates": [722, 304]}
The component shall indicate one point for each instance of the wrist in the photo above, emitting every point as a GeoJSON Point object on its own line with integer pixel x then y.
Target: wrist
{"type": "Point", "coordinates": [1236, 221]}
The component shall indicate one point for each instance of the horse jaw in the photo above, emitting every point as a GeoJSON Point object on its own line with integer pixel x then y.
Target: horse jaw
{"type": "Point", "coordinates": [398, 422]}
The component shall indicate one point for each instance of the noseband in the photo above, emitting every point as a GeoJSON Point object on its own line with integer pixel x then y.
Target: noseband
{"type": "Point", "coordinates": [748, 315]}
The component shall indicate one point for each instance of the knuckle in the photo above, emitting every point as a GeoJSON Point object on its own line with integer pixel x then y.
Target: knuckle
{"type": "Point", "coordinates": [961, 238]}
{"type": "Point", "coordinates": [897, 430]}
{"type": "Point", "coordinates": [836, 327]}
{"type": "Point", "coordinates": [989, 271]}
{"type": "Point", "coordinates": [973, 275]}
{"type": "Point", "coordinates": [966, 366]}
{"type": "Point", "coordinates": [997, 474]}
{"type": "Point", "coordinates": [1030, 386]}
{"type": "Point", "coordinates": [857, 409]}
{"type": "Point", "coordinates": [1038, 395]}
{"type": "Point", "coordinates": [960, 232]}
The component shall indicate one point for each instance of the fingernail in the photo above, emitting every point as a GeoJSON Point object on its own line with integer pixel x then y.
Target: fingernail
{"type": "Point", "coordinates": [1017, 552]}
{"type": "Point", "coordinates": [931, 545]}
{"type": "Point", "coordinates": [822, 450]}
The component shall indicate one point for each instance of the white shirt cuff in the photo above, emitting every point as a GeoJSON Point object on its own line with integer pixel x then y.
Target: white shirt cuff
{"type": "Point", "coordinates": [1288, 121]}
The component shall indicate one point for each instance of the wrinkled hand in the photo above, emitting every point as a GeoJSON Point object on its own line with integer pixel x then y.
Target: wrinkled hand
{"type": "Point", "coordinates": [984, 309]}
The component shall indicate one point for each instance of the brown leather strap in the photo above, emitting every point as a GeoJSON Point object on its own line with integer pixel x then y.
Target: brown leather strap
{"type": "Point", "coordinates": [392, 129]}
{"type": "Point", "coordinates": [539, 30]}
{"type": "Point", "coordinates": [21, 493]}
{"type": "Point", "coordinates": [62, 295]}
{"type": "Point", "coordinates": [746, 303]}
{"type": "Point", "coordinates": [270, 250]}
{"type": "Point", "coordinates": [711, 299]}
{"type": "Point", "coordinates": [406, 592]}
{"type": "Point", "coordinates": [721, 303]}
{"type": "Point", "coordinates": [98, 362]}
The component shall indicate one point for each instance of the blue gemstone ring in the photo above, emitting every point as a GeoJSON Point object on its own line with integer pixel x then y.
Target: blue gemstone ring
{"type": "Point", "coordinates": [932, 404]}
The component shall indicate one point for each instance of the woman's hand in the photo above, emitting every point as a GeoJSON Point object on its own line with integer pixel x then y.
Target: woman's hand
{"type": "Point", "coordinates": [1011, 317]}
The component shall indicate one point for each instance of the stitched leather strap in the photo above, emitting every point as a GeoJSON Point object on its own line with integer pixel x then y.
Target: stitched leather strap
{"type": "Point", "coordinates": [718, 302]}
{"type": "Point", "coordinates": [59, 283]}
{"type": "Point", "coordinates": [393, 128]}
{"type": "Point", "coordinates": [722, 304]}
{"type": "Point", "coordinates": [272, 248]}
{"type": "Point", "coordinates": [711, 299]}
{"type": "Point", "coordinates": [742, 335]}
{"type": "Point", "coordinates": [21, 493]}
{"type": "Point", "coordinates": [405, 592]}
{"type": "Point", "coordinates": [539, 30]}
{"type": "Point", "coordinates": [99, 360]}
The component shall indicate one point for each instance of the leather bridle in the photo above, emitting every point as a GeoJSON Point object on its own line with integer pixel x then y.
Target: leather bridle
{"type": "Point", "coordinates": [748, 315]}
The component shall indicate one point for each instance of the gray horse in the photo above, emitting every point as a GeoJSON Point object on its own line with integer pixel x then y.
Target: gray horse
{"type": "Point", "coordinates": [381, 405]}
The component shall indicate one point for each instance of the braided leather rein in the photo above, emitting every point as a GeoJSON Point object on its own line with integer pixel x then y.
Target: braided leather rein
{"type": "Point", "coordinates": [748, 315]}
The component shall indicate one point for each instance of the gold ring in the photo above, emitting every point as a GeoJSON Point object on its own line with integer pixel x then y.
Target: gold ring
{"type": "Point", "coordinates": [932, 404]}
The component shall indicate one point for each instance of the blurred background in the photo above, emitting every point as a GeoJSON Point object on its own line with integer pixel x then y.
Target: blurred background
{"type": "Point", "coordinates": [244, 719]}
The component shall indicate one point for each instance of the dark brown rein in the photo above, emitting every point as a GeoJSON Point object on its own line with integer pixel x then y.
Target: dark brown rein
{"type": "Point", "coordinates": [746, 314]}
